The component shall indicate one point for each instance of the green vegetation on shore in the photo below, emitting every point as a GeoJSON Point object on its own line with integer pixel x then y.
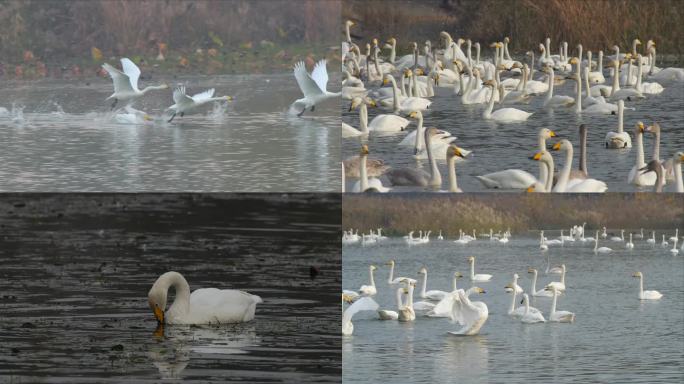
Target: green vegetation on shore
{"type": "Point", "coordinates": [399, 214]}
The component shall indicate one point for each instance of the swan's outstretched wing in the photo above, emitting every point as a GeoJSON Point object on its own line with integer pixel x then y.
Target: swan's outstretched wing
{"type": "Point", "coordinates": [132, 71]}
{"type": "Point", "coordinates": [444, 305]}
{"type": "Point", "coordinates": [179, 96]}
{"type": "Point", "coordinates": [208, 94]}
{"type": "Point", "coordinates": [320, 75]}
{"type": "Point", "coordinates": [122, 84]}
{"type": "Point", "coordinates": [306, 83]}
{"type": "Point", "coordinates": [362, 304]}
{"type": "Point", "coordinates": [470, 312]}
{"type": "Point", "coordinates": [456, 308]}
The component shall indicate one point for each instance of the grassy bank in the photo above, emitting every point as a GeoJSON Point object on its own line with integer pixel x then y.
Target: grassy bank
{"type": "Point", "coordinates": [73, 38]}
{"type": "Point", "coordinates": [597, 24]}
{"type": "Point", "coordinates": [519, 212]}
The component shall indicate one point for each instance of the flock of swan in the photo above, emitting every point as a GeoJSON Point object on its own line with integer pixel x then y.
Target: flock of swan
{"type": "Point", "coordinates": [312, 85]}
{"type": "Point", "coordinates": [455, 303]}
{"type": "Point", "coordinates": [371, 81]}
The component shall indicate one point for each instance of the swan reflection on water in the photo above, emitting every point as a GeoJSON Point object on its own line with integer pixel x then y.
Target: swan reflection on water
{"type": "Point", "coordinates": [179, 343]}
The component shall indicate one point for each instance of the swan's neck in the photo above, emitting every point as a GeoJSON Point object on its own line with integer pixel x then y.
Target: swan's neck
{"type": "Point", "coordinates": [578, 101]}
{"type": "Point", "coordinates": [678, 177]}
{"type": "Point", "coordinates": [410, 298]}
{"type": "Point", "coordinates": [550, 75]}
{"type": "Point", "coordinates": [512, 301]}
{"type": "Point", "coordinates": [583, 154]}
{"type": "Point", "coordinates": [640, 162]}
{"type": "Point", "coordinates": [531, 74]}
{"type": "Point", "coordinates": [621, 118]}
{"type": "Point", "coordinates": [424, 287]}
{"type": "Point", "coordinates": [472, 269]}
{"type": "Point", "coordinates": [534, 282]}
{"type": "Point", "coordinates": [391, 275]}
{"type": "Point", "coordinates": [656, 146]}
{"type": "Point", "coordinates": [430, 86]}
{"type": "Point", "coordinates": [455, 282]}
{"type": "Point", "coordinates": [372, 280]}
{"type": "Point", "coordinates": [395, 91]}
{"type": "Point", "coordinates": [436, 177]}
{"type": "Point", "coordinates": [477, 55]}
{"type": "Point", "coordinates": [616, 79]}
{"type": "Point", "coordinates": [527, 305]}
{"type": "Point", "coordinates": [419, 142]}
{"type": "Point", "coordinates": [628, 82]}
{"type": "Point", "coordinates": [152, 88]}
{"type": "Point", "coordinates": [641, 286]}
{"type": "Point", "coordinates": [363, 118]}
{"type": "Point", "coordinates": [364, 179]}
{"type": "Point", "coordinates": [399, 293]}
{"type": "Point", "coordinates": [347, 33]}
{"type": "Point", "coordinates": [548, 183]}
{"type": "Point", "coordinates": [553, 302]}
{"type": "Point", "coordinates": [393, 53]}
{"type": "Point", "coordinates": [652, 58]}
{"type": "Point", "coordinates": [640, 72]}
{"type": "Point", "coordinates": [414, 78]}
{"type": "Point", "coordinates": [565, 173]}
{"type": "Point", "coordinates": [453, 183]}
{"type": "Point", "coordinates": [543, 172]}
{"type": "Point", "coordinates": [600, 62]}
{"type": "Point", "coordinates": [490, 106]}
{"type": "Point", "coordinates": [181, 304]}
{"type": "Point", "coordinates": [563, 277]}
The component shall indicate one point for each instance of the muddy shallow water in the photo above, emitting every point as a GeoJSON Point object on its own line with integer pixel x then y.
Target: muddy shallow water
{"type": "Point", "coordinates": [76, 270]}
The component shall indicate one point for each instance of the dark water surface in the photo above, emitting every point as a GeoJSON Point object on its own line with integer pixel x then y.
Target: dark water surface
{"type": "Point", "coordinates": [76, 270]}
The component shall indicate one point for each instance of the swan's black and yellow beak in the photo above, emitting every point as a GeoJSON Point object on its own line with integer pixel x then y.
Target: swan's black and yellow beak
{"type": "Point", "coordinates": [557, 146]}
{"type": "Point", "coordinates": [552, 134]}
{"type": "Point", "coordinates": [641, 127]}
{"type": "Point", "coordinates": [537, 156]}
{"type": "Point", "coordinates": [530, 189]}
{"type": "Point", "coordinates": [158, 314]}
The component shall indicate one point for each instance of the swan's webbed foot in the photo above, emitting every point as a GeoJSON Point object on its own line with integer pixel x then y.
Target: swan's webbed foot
{"type": "Point", "coordinates": [114, 104]}
{"type": "Point", "coordinates": [302, 112]}
{"type": "Point", "coordinates": [312, 108]}
{"type": "Point", "coordinates": [172, 116]}
{"type": "Point", "coordinates": [182, 114]}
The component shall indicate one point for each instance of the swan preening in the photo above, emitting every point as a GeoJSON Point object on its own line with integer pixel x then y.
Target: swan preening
{"type": "Point", "coordinates": [501, 90]}
{"type": "Point", "coordinates": [202, 306]}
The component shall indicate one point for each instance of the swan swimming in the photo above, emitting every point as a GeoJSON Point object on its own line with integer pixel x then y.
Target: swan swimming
{"type": "Point", "coordinates": [646, 295]}
{"type": "Point", "coordinates": [362, 304]}
{"type": "Point", "coordinates": [479, 277]}
{"type": "Point", "coordinates": [203, 306]}
{"type": "Point", "coordinates": [558, 316]}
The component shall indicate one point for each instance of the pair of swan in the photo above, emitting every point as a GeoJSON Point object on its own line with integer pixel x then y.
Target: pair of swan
{"type": "Point", "coordinates": [126, 82]}
{"type": "Point", "coordinates": [533, 288]}
{"type": "Point", "coordinates": [313, 86]}
{"type": "Point", "coordinates": [564, 183]}
{"type": "Point", "coordinates": [202, 306]}
{"type": "Point", "coordinates": [519, 312]}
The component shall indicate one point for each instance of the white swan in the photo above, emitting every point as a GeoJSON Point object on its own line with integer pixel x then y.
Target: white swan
{"type": "Point", "coordinates": [677, 161]}
{"type": "Point", "coordinates": [630, 244]}
{"type": "Point", "coordinates": [348, 130]}
{"type": "Point", "coordinates": [362, 304]}
{"type": "Point", "coordinates": [558, 316]}
{"type": "Point", "coordinates": [313, 86]}
{"type": "Point", "coordinates": [369, 290]}
{"type": "Point", "coordinates": [652, 240]}
{"type": "Point", "coordinates": [520, 311]}
{"type": "Point", "coordinates": [203, 306]}
{"type": "Point", "coordinates": [533, 289]}
{"type": "Point", "coordinates": [552, 101]}
{"type": "Point", "coordinates": [477, 277]}
{"type": "Point", "coordinates": [646, 295]}
{"type": "Point", "coordinates": [674, 251]}
{"type": "Point", "coordinates": [598, 249]}
{"type": "Point", "coordinates": [366, 184]}
{"type": "Point", "coordinates": [635, 177]}
{"type": "Point", "coordinates": [513, 285]}
{"type": "Point", "coordinates": [126, 82]}
{"type": "Point", "coordinates": [529, 316]}
{"type": "Point", "coordinates": [391, 280]}
{"type": "Point", "coordinates": [132, 116]}
{"type": "Point", "coordinates": [385, 314]}
{"type": "Point", "coordinates": [471, 315]}
{"type": "Point", "coordinates": [620, 238]}
{"type": "Point", "coordinates": [185, 104]}
{"type": "Point", "coordinates": [434, 295]}
{"type": "Point", "coordinates": [405, 104]}
{"type": "Point", "coordinates": [503, 115]}
{"type": "Point", "coordinates": [406, 312]}
{"type": "Point", "coordinates": [578, 185]}
{"type": "Point", "coordinates": [619, 139]}
{"type": "Point", "coordinates": [560, 285]}
{"type": "Point", "coordinates": [646, 88]}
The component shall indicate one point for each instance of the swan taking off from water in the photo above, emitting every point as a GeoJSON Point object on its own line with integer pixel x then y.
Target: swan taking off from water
{"type": "Point", "coordinates": [203, 306]}
{"type": "Point", "coordinates": [646, 295]}
{"type": "Point", "coordinates": [471, 315]}
{"type": "Point", "coordinates": [126, 82]}
{"type": "Point", "coordinates": [185, 104]}
{"type": "Point", "coordinates": [313, 86]}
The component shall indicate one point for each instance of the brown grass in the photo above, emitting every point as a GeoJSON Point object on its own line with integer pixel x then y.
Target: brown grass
{"type": "Point", "coordinates": [400, 214]}
{"type": "Point", "coordinates": [597, 24]}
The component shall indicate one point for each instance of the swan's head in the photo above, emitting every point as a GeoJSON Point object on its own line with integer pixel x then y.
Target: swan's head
{"type": "Point", "coordinates": [547, 133]}
{"type": "Point", "coordinates": [515, 276]}
{"type": "Point", "coordinates": [477, 290]}
{"type": "Point", "coordinates": [347, 298]}
{"type": "Point", "coordinates": [507, 40]}
{"type": "Point", "coordinates": [373, 267]}
{"type": "Point", "coordinates": [679, 157]}
{"type": "Point", "coordinates": [364, 150]}
{"type": "Point", "coordinates": [489, 83]}
{"type": "Point", "coordinates": [391, 262]}
{"type": "Point", "coordinates": [541, 47]}
{"type": "Point", "coordinates": [156, 299]}
{"type": "Point", "coordinates": [640, 127]}
{"type": "Point", "coordinates": [457, 275]}
{"type": "Point", "coordinates": [414, 114]}
{"type": "Point", "coordinates": [407, 73]}
{"type": "Point", "coordinates": [420, 72]}
{"type": "Point", "coordinates": [563, 144]}
{"type": "Point", "coordinates": [637, 274]}
{"type": "Point", "coordinates": [494, 45]}
{"type": "Point", "coordinates": [422, 271]}
{"type": "Point", "coordinates": [637, 41]}
{"type": "Point", "coordinates": [471, 259]}
{"type": "Point", "coordinates": [460, 41]}
{"type": "Point", "coordinates": [655, 128]}
{"type": "Point", "coordinates": [391, 42]}
{"type": "Point", "coordinates": [350, 23]}
{"type": "Point", "coordinates": [355, 103]}
{"type": "Point", "coordinates": [454, 151]}
{"type": "Point", "coordinates": [574, 60]}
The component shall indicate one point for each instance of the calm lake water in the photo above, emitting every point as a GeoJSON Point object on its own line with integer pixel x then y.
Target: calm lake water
{"type": "Point", "coordinates": [497, 147]}
{"type": "Point", "coordinates": [616, 338]}
{"type": "Point", "coordinates": [60, 135]}
{"type": "Point", "coordinates": [76, 270]}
